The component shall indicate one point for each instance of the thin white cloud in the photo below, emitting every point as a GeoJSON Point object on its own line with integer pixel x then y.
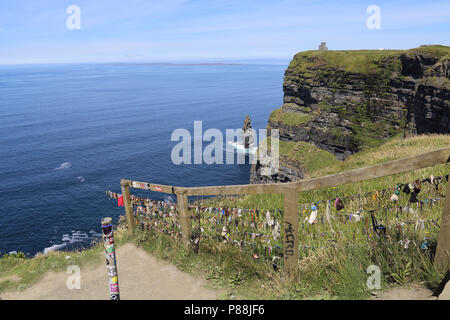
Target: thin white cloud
{"type": "Point", "coordinates": [163, 30]}
{"type": "Point", "coordinates": [414, 15]}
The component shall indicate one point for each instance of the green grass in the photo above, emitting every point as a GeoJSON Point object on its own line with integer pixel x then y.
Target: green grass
{"type": "Point", "coordinates": [311, 157]}
{"type": "Point", "coordinates": [359, 61]}
{"type": "Point", "coordinates": [225, 267]}
{"type": "Point", "coordinates": [235, 272]}
{"type": "Point", "coordinates": [393, 149]}
{"type": "Point", "coordinates": [318, 162]}
{"type": "Point", "coordinates": [354, 61]}
{"type": "Point", "coordinates": [290, 118]}
{"type": "Point", "coordinates": [438, 51]}
{"type": "Point", "coordinates": [295, 107]}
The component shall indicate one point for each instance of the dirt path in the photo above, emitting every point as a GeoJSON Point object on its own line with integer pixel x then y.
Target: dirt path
{"type": "Point", "coordinates": [413, 293]}
{"type": "Point", "coordinates": [406, 293]}
{"type": "Point", "coordinates": [141, 276]}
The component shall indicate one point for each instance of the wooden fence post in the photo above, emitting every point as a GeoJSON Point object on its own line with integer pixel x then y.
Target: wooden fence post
{"type": "Point", "coordinates": [290, 227]}
{"type": "Point", "coordinates": [183, 215]}
{"type": "Point", "coordinates": [127, 204]}
{"type": "Point", "coordinates": [442, 257]}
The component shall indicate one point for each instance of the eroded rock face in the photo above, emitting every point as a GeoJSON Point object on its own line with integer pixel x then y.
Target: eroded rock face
{"type": "Point", "coordinates": [344, 101]}
{"type": "Point", "coordinates": [247, 134]}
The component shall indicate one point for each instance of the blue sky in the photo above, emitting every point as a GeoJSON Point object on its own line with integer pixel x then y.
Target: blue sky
{"type": "Point", "coordinates": [209, 31]}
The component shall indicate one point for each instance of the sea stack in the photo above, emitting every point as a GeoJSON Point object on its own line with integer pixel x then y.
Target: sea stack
{"type": "Point", "coordinates": [247, 133]}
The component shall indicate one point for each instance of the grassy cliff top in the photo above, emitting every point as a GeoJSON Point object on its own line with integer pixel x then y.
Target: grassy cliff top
{"type": "Point", "coordinates": [359, 61]}
{"type": "Point", "coordinates": [437, 51]}
{"type": "Point", "coordinates": [394, 149]}
{"type": "Point", "coordinates": [318, 162]}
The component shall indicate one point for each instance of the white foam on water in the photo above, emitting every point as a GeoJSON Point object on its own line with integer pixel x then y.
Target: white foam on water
{"type": "Point", "coordinates": [64, 165]}
{"type": "Point", "coordinates": [54, 247]}
{"type": "Point", "coordinates": [74, 237]}
{"type": "Point", "coordinates": [240, 148]}
{"type": "Point", "coordinates": [78, 237]}
{"type": "Point", "coordinates": [94, 234]}
{"type": "Point", "coordinates": [81, 179]}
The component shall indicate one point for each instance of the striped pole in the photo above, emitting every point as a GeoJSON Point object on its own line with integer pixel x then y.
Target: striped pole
{"type": "Point", "coordinates": [110, 254]}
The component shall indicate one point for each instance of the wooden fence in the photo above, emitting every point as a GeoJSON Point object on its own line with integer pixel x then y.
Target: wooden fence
{"type": "Point", "coordinates": [291, 191]}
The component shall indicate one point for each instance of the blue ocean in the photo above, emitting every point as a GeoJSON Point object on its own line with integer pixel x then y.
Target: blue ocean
{"type": "Point", "coordinates": [68, 133]}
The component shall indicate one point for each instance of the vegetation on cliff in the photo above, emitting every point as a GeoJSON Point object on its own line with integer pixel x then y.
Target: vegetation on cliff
{"type": "Point", "coordinates": [353, 61]}
{"type": "Point", "coordinates": [361, 61]}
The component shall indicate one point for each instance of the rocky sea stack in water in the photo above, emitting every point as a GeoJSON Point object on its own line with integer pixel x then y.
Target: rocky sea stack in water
{"type": "Point", "coordinates": [341, 102]}
{"type": "Point", "coordinates": [247, 136]}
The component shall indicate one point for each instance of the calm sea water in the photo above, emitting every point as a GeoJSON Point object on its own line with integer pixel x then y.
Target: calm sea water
{"type": "Point", "coordinates": [70, 132]}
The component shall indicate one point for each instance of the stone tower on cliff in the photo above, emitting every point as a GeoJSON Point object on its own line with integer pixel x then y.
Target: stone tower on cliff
{"type": "Point", "coordinates": [323, 46]}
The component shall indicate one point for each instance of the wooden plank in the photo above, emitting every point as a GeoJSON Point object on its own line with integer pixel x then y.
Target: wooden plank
{"type": "Point", "coordinates": [151, 186]}
{"type": "Point", "coordinates": [290, 234]}
{"type": "Point", "coordinates": [442, 257]}
{"type": "Point", "coordinates": [381, 170]}
{"type": "Point", "coordinates": [238, 189]}
{"type": "Point", "coordinates": [127, 204]}
{"type": "Point", "coordinates": [185, 219]}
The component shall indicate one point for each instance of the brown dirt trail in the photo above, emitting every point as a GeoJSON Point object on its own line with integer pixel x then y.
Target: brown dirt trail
{"type": "Point", "coordinates": [141, 276]}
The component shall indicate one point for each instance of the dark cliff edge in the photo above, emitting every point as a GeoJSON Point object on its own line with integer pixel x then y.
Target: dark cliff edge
{"type": "Point", "coordinates": [343, 102]}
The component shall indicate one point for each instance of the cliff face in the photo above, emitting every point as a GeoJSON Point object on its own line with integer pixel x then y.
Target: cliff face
{"type": "Point", "coordinates": [345, 101]}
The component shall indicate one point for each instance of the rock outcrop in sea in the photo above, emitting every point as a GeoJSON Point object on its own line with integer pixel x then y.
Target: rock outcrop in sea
{"type": "Point", "coordinates": [247, 133]}
{"type": "Point", "coordinates": [345, 101]}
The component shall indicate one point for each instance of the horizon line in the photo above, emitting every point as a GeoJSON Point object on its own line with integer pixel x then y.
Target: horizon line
{"type": "Point", "coordinates": [243, 61]}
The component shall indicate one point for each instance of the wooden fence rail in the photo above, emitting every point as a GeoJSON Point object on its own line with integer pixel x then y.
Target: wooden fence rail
{"type": "Point", "coordinates": [291, 191]}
